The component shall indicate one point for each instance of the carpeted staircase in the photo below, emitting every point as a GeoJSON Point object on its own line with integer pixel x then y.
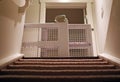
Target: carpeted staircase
{"type": "Point", "coordinates": [82, 69]}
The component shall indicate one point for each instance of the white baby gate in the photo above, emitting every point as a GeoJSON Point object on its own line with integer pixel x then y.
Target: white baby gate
{"type": "Point", "coordinates": [57, 40]}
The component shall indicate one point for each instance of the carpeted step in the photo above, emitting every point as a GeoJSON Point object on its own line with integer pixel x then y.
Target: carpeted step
{"type": "Point", "coordinates": [60, 63]}
{"type": "Point", "coordinates": [60, 72]}
{"type": "Point", "coordinates": [61, 60]}
{"type": "Point", "coordinates": [82, 57]}
{"type": "Point", "coordinates": [58, 67]}
{"type": "Point", "coordinates": [70, 78]}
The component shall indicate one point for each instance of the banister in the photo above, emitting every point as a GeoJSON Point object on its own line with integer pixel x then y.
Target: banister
{"type": "Point", "coordinates": [23, 8]}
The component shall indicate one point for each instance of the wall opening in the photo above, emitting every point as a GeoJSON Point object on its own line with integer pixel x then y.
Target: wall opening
{"type": "Point", "coordinates": [74, 16]}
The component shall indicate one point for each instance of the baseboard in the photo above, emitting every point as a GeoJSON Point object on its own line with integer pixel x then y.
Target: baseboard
{"type": "Point", "coordinates": [111, 58]}
{"type": "Point", "coordinates": [9, 59]}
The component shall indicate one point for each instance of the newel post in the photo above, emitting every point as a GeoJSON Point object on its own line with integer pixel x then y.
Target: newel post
{"type": "Point", "coordinates": [23, 8]}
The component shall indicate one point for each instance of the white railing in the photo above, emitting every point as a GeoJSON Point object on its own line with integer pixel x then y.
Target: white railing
{"type": "Point", "coordinates": [57, 40]}
{"type": "Point", "coordinates": [80, 40]}
{"type": "Point", "coordinates": [45, 40]}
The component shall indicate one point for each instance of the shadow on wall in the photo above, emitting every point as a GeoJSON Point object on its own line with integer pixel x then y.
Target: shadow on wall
{"type": "Point", "coordinates": [11, 27]}
{"type": "Point", "coordinates": [113, 36]}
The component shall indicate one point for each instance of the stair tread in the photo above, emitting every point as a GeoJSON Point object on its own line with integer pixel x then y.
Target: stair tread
{"type": "Point", "coordinates": [60, 60]}
{"type": "Point", "coordinates": [61, 65]}
{"type": "Point", "coordinates": [82, 57]}
{"type": "Point", "coordinates": [58, 67]}
{"type": "Point", "coordinates": [85, 69]}
{"type": "Point", "coordinates": [58, 63]}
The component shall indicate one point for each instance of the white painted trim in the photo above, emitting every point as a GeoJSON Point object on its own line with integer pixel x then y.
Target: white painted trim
{"type": "Point", "coordinates": [112, 58]}
{"type": "Point", "coordinates": [9, 59]}
{"type": "Point", "coordinates": [66, 5]}
{"type": "Point", "coordinates": [70, 1]}
{"type": "Point", "coordinates": [42, 12]}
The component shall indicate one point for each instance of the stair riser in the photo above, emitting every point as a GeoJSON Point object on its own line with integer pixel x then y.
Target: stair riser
{"type": "Point", "coordinates": [60, 73]}
{"type": "Point", "coordinates": [79, 70]}
{"type": "Point", "coordinates": [14, 78]}
{"type": "Point", "coordinates": [80, 60]}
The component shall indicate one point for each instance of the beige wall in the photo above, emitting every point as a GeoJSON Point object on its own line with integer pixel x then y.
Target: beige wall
{"type": "Point", "coordinates": [32, 13]}
{"type": "Point", "coordinates": [113, 37]}
{"type": "Point", "coordinates": [11, 27]}
{"type": "Point", "coordinates": [102, 16]}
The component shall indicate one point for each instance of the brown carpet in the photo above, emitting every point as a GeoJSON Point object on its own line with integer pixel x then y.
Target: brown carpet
{"type": "Point", "coordinates": [84, 69]}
